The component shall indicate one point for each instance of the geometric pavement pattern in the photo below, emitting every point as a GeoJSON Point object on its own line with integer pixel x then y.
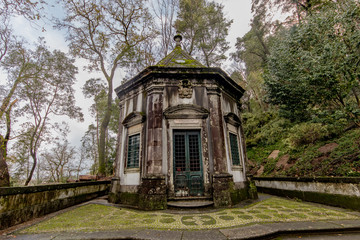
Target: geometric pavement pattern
{"type": "Point", "coordinates": [96, 217]}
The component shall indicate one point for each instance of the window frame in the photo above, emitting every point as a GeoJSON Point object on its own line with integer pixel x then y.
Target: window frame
{"type": "Point", "coordinates": [231, 144]}
{"type": "Point", "coordinates": [132, 166]}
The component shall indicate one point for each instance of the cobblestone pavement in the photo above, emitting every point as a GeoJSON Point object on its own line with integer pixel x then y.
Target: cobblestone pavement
{"type": "Point", "coordinates": [97, 217]}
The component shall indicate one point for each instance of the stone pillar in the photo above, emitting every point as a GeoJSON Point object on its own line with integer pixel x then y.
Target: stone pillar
{"type": "Point", "coordinates": [114, 194]}
{"type": "Point", "coordinates": [154, 132]}
{"type": "Point", "coordinates": [152, 193]}
{"type": "Point", "coordinates": [223, 185]}
{"type": "Point", "coordinates": [217, 130]}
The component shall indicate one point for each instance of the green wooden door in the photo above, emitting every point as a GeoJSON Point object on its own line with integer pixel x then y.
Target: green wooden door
{"type": "Point", "coordinates": [188, 173]}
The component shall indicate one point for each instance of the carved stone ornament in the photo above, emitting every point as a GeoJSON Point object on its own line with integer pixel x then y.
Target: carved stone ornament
{"type": "Point", "coordinates": [185, 89]}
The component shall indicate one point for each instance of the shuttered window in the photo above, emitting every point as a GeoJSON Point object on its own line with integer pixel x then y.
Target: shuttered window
{"type": "Point", "coordinates": [234, 149]}
{"type": "Point", "coordinates": [133, 151]}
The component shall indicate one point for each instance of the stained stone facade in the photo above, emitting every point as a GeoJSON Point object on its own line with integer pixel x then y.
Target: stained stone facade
{"type": "Point", "coordinates": [180, 136]}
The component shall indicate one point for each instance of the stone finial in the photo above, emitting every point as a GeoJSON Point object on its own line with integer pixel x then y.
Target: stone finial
{"type": "Point", "coordinates": [177, 39]}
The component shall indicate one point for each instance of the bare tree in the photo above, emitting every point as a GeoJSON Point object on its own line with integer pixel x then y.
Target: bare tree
{"type": "Point", "coordinates": [46, 91]}
{"type": "Point", "coordinates": [165, 12]}
{"type": "Point", "coordinates": [60, 161]}
{"type": "Point", "coordinates": [106, 34]}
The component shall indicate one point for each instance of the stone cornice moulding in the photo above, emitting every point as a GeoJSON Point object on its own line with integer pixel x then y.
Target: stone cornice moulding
{"type": "Point", "coordinates": [133, 119]}
{"type": "Point", "coordinates": [232, 119]}
{"type": "Point", "coordinates": [186, 111]}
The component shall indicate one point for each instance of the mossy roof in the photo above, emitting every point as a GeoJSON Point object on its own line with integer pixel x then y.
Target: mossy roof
{"type": "Point", "coordinates": [179, 58]}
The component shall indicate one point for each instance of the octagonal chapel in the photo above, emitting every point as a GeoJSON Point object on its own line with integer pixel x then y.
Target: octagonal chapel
{"type": "Point", "coordinates": [180, 136]}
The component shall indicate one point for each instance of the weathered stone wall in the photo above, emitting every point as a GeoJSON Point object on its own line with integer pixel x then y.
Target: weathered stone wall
{"type": "Point", "coordinates": [341, 192]}
{"type": "Point", "coordinates": [20, 204]}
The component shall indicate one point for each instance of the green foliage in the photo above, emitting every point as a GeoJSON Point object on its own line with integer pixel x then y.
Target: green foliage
{"type": "Point", "coordinates": [270, 165]}
{"type": "Point", "coordinates": [315, 64]}
{"type": "Point", "coordinates": [204, 28]}
{"type": "Point", "coordinates": [307, 133]}
{"type": "Point", "coordinates": [264, 128]}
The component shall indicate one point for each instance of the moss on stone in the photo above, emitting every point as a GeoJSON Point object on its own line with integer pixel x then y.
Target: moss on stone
{"type": "Point", "coordinates": [351, 202]}
{"type": "Point", "coordinates": [129, 198]}
{"type": "Point", "coordinates": [114, 198]}
{"type": "Point", "coordinates": [152, 202]}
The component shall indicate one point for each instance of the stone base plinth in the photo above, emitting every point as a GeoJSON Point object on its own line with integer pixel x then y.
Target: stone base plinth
{"type": "Point", "coordinates": [152, 193]}
{"type": "Point", "coordinates": [114, 193]}
{"type": "Point", "coordinates": [226, 193]}
{"type": "Point", "coordinates": [222, 187]}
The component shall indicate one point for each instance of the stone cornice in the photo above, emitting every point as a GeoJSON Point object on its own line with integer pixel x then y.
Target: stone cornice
{"type": "Point", "coordinates": [152, 72]}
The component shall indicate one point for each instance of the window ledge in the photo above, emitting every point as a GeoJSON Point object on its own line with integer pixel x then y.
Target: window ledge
{"type": "Point", "coordinates": [236, 168]}
{"type": "Point", "coordinates": [132, 170]}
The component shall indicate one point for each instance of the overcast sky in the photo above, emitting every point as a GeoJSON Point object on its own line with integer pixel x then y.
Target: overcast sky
{"type": "Point", "coordinates": [238, 10]}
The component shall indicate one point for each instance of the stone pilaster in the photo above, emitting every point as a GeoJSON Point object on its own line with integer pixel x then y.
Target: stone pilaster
{"type": "Point", "coordinates": [217, 130]}
{"type": "Point", "coordinates": [118, 157]}
{"type": "Point", "coordinates": [154, 131]}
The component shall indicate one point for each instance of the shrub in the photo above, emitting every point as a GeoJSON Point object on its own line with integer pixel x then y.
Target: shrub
{"type": "Point", "coordinates": [306, 133]}
{"type": "Point", "coordinates": [264, 128]}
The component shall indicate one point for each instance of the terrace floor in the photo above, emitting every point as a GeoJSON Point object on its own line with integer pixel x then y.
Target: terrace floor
{"type": "Point", "coordinates": [267, 217]}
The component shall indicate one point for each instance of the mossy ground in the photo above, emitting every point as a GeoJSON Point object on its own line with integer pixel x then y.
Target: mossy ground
{"type": "Point", "coordinates": [94, 217]}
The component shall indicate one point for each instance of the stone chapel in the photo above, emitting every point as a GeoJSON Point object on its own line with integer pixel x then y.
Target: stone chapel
{"type": "Point", "coordinates": [180, 136]}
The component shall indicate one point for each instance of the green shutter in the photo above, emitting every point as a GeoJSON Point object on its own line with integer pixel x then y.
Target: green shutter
{"type": "Point", "coordinates": [133, 151]}
{"type": "Point", "coordinates": [234, 149]}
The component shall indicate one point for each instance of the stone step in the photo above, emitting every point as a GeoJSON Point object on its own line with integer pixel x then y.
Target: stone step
{"type": "Point", "coordinates": [190, 203]}
{"type": "Point", "coordinates": [190, 198]}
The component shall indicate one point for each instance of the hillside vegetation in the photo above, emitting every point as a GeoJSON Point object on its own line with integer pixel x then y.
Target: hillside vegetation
{"type": "Point", "coordinates": [302, 79]}
{"type": "Point", "coordinates": [277, 147]}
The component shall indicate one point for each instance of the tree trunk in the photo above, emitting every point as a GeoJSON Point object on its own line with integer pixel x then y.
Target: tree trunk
{"type": "Point", "coordinates": [33, 155]}
{"type": "Point", "coordinates": [4, 171]}
{"type": "Point", "coordinates": [103, 129]}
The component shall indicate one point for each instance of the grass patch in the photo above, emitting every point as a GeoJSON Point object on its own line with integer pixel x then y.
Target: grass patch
{"type": "Point", "coordinates": [227, 218]}
{"type": "Point", "coordinates": [167, 220]}
{"type": "Point", "coordinates": [262, 216]}
{"type": "Point", "coordinates": [247, 217]}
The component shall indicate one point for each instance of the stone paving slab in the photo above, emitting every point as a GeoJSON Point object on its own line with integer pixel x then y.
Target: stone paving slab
{"type": "Point", "coordinates": [306, 226]}
{"type": "Point", "coordinates": [190, 204]}
{"type": "Point", "coordinates": [203, 235]}
{"type": "Point", "coordinates": [42, 236]}
{"type": "Point", "coordinates": [347, 223]}
{"type": "Point", "coordinates": [249, 232]}
{"type": "Point", "coordinates": [150, 234]}
{"type": "Point", "coordinates": [260, 231]}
